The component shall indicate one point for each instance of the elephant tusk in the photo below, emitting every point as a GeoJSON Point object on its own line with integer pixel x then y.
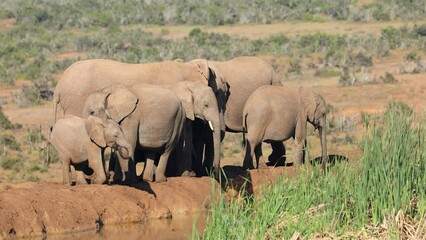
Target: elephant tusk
{"type": "Point", "coordinates": [211, 126]}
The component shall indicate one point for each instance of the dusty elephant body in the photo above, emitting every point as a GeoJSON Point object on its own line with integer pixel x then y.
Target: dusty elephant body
{"type": "Point", "coordinates": [86, 77]}
{"type": "Point", "coordinates": [243, 75]}
{"type": "Point", "coordinates": [274, 114]}
{"type": "Point", "coordinates": [80, 146]}
{"type": "Point", "coordinates": [151, 118]}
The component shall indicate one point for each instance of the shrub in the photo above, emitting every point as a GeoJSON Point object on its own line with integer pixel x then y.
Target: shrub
{"type": "Point", "coordinates": [411, 57]}
{"type": "Point", "coordinates": [326, 72]}
{"type": "Point", "coordinates": [388, 78]}
{"type": "Point", "coordinates": [294, 67]}
{"type": "Point", "coordinates": [347, 77]}
{"type": "Point", "coordinates": [32, 178]}
{"type": "Point", "coordinates": [361, 59]}
{"type": "Point", "coordinates": [420, 30]}
{"type": "Point", "coordinates": [11, 163]}
{"type": "Point", "coordinates": [34, 166]}
{"type": "Point", "coordinates": [10, 142]}
{"type": "Point", "coordinates": [5, 122]}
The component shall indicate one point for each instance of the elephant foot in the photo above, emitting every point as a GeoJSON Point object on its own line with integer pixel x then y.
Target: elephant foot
{"type": "Point", "coordinates": [276, 160]}
{"type": "Point", "coordinates": [67, 183]}
{"type": "Point", "coordinates": [159, 178]}
{"type": "Point", "coordinates": [188, 174]}
{"type": "Point", "coordinates": [148, 179]}
{"type": "Point", "coordinates": [248, 167]}
{"type": "Point", "coordinates": [148, 175]}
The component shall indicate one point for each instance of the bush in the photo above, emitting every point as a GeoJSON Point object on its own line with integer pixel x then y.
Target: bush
{"type": "Point", "coordinates": [10, 142]}
{"type": "Point", "coordinates": [11, 164]}
{"type": "Point", "coordinates": [420, 30]}
{"type": "Point", "coordinates": [325, 73]}
{"type": "Point", "coordinates": [388, 78]}
{"type": "Point", "coordinates": [5, 123]}
{"type": "Point", "coordinates": [347, 77]}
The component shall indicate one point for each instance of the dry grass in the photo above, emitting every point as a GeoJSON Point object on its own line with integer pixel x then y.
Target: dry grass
{"type": "Point", "coordinates": [259, 31]}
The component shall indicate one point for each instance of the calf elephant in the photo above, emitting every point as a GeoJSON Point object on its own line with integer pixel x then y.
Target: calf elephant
{"type": "Point", "coordinates": [79, 142]}
{"type": "Point", "coordinates": [151, 118]}
{"type": "Point", "coordinates": [243, 75]}
{"type": "Point", "coordinates": [275, 114]}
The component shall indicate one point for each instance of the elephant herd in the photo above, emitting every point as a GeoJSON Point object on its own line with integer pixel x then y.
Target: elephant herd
{"type": "Point", "coordinates": [173, 115]}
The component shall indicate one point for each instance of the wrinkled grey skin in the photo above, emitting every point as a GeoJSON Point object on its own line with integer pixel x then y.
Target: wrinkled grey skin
{"type": "Point", "coordinates": [79, 142]}
{"type": "Point", "coordinates": [275, 114]}
{"type": "Point", "coordinates": [151, 118]}
{"type": "Point", "coordinates": [243, 75]}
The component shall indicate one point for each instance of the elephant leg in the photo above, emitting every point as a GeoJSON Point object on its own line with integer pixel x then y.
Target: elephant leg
{"type": "Point", "coordinates": [111, 166]}
{"type": "Point", "coordinates": [162, 164]}
{"type": "Point", "coordinates": [298, 156]}
{"type": "Point", "coordinates": [79, 178]}
{"type": "Point", "coordinates": [96, 163]}
{"type": "Point", "coordinates": [258, 153]}
{"type": "Point", "coordinates": [248, 159]}
{"type": "Point", "coordinates": [277, 157]}
{"type": "Point", "coordinates": [148, 172]}
{"type": "Point", "coordinates": [66, 176]}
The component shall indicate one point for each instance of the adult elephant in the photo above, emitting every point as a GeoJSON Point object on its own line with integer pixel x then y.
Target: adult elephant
{"type": "Point", "coordinates": [275, 114]}
{"type": "Point", "coordinates": [86, 77]}
{"type": "Point", "coordinates": [243, 75]}
{"type": "Point", "coordinates": [152, 118]}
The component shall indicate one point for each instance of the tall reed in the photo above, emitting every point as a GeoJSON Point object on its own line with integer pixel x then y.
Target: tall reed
{"type": "Point", "coordinates": [389, 178]}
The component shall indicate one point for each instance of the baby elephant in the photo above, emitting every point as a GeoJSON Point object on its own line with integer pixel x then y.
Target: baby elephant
{"type": "Point", "coordinates": [274, 114]}
{"type": "Point", "coordinates": [79, 142]}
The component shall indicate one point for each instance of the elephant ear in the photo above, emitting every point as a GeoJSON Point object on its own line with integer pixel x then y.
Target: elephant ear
{"type": "Point", "coordinates": [95, 129]}
{"type": "Point", "coordinates": [310, 102]}
{"type": "Point", "coordinates": [184, 93]}
{"type": "Point", "coordinates": [202, 66]}
{"type": "Point", "coordinates": [120, 103]}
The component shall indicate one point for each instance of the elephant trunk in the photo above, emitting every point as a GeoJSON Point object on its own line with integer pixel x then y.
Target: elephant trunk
{"type": "Point", "coordinates": [322, 133]}
{"type": "Point", "coordinates": [216, 145]}
{"type": "Point", "coordinates": [124, 149]}
{"type": "Point", "coordinates": [222, 121]}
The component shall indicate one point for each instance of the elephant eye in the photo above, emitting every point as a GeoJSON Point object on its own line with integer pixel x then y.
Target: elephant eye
{"type": "Point", "coordinates": [91, 112]}
{"type": "Point", "coordinates": [206, 104]}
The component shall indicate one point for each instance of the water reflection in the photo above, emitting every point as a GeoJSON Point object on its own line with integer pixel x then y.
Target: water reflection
{"type": "Point", "coordinates": [180, 227]}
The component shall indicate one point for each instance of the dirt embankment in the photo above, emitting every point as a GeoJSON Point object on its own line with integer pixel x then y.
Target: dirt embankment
{"type": "Point", "coordinates": [38, 209]}
{"type": "Point", "coordinates": [45, 209]}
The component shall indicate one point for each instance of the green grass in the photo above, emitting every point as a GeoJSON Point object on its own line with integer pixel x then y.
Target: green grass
{"type": "Point", "coordinates": [352, 198]}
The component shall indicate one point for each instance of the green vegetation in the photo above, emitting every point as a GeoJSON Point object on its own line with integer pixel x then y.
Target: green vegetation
{"type": "Point", "coordinates": [5, 122]}
{"type": "Point", "coordinates": [373, 197]}
{"type": "Point", "coordinates": [8, 141]}
{"type": "Point", "coordinates": [325, 73]}
{"type": "Point", "coordinates": [8, 163]}
{"type": "Point", "coordinates": [45, 29]}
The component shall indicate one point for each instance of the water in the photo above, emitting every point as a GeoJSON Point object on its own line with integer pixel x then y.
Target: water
{"type": "Point", "coordinates": [180, 227]}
